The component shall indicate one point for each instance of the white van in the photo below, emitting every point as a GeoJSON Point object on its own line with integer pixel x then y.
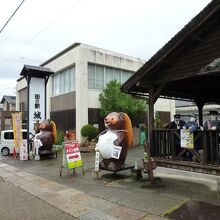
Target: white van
{"type": "Point", "coordinates": [7, 141]}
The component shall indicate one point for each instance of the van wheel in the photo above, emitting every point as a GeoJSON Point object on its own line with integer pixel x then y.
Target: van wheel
{"type": "Point", "coordinates": [5, 151]}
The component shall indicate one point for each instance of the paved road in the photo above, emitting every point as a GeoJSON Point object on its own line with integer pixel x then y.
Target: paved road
{"type": "Point", "coordinates": [107, 198]}
{"type": "Point", "coordinates": [17, 204]}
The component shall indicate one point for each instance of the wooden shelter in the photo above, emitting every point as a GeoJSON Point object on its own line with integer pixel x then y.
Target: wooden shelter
{"type": "Point", "coordinates": [186, 68]}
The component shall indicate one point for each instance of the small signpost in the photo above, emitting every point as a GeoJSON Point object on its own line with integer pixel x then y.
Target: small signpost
{"type": "Point", "coordinates": [186, 139]}
{"type": "Point", "coordinates": [187, 144]}
{"type": "Point", "coordinates": [97, 154]}
{"type": "Point", "coordinates": [71, 158]}
{"type": "Point", "coordinates": [96, 173]}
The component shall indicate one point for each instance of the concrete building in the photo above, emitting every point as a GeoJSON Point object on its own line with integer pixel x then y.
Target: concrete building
{"type": "Point", "coordinates": [81, 73]}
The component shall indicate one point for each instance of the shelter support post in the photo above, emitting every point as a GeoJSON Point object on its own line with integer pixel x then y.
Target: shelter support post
{"type": "Point", "coordinates": [200, 104]}
{"type": "Point", "coordinates": [150, 116]}
{"type": "Point", "coordinates": [153, 96]}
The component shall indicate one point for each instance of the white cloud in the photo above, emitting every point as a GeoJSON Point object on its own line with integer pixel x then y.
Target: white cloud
{"type": "Point", "coordinates": [40, 29]}
{"type": "Point", "coordinates": [7, 87]}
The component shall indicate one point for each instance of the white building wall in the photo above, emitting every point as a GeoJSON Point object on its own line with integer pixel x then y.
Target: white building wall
{"type": "Point", "coordinates": [165, 105]}
{"type": "Point", "coordinates": [86, 98]}
{"type": "Point", "coordinates": [81, 77]}
{"type": "Point", "coordinates": [49, 93]}
{"type": "Point", "coordinates": [80, 56]}
{"type": "Point", "coordinates": [111, 59]}
{"type": "Point", "coordinates": [93, 99]}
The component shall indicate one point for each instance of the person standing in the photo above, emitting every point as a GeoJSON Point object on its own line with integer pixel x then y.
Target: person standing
{"type": "Point", "coordinates": [192, 125]}
{"type": "Point", "coordinates": [213, 124]}
{"type": "Point", "coordinates": [177, 123]}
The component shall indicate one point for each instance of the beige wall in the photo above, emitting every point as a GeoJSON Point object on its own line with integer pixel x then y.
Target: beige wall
{"type": "Point", "coordinates": [23, 98]}
{"type": "Point", "coordinates": [21, 87]}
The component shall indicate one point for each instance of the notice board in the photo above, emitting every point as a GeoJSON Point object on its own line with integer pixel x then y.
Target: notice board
{"type": "Point", "coordinates": [72, 154]}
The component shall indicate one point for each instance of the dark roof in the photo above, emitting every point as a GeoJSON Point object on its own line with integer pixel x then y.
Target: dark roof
{"type": "Point", "coordinates": [177, 67]}
{"type": "Point", "coordinates": [36, 71]}
{"type": "Point", "coordinates": [9, 99]}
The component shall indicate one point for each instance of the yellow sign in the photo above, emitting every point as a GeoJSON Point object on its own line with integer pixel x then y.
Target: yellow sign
{"type": "Point", "coordinates": [72, 153]}
{"type": "Point", "coordinates": [17, 123]}
{"type": "Point", "coordinates": [186, 139]}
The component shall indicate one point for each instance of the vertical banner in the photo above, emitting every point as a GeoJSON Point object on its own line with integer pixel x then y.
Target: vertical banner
{"type": "Point", "coordinates": [37, 98]}
{"type": "Point", "coordinates": [72, 153]}
{"type": "Point", "coordinates": [186, 139]}
{"type": "Point", "coordinates": [17, 125]}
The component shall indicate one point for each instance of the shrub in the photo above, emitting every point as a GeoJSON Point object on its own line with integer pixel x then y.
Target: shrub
{"type": "Point", "coordinates": [89, 132]}
{"type": "Point", "coordinates": [157, 121]}
{"type": "Point", "coordinates": [143, 127]}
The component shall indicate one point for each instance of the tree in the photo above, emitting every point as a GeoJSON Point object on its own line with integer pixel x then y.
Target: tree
{"type": "Point", "coordinates": [113, 100]}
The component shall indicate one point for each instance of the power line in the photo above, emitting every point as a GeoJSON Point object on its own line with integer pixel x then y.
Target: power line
{"type": "Point", "coordinates": [10, 31]}
{"type": "Point", "coordinates": [43, 30]}
{"type": "Point", "coordinates": [11, 16]}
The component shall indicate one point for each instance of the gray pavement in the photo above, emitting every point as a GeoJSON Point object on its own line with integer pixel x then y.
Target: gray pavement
{"type": "Point", "coordinates": [18, 204]}
{"type": "Point", "coordinates": [110, 197]}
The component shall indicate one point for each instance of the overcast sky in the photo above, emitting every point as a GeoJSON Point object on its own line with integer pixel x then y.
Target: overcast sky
{"type": "Point", "coordinates": [42, 28]}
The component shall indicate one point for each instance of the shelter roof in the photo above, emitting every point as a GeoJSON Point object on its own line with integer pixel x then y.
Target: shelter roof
{"type": "Point", "coordinates": [183, 68]}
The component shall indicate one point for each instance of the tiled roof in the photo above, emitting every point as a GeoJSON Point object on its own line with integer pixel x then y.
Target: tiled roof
{"type": "Point", "coordinates": [9, 99]}
{"type": "Point", "coordinates": [36, 71]}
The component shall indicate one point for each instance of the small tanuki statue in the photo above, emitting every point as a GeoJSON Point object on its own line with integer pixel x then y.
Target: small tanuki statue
{"type": "Point", "coordinates": [114, 141]}
{"type": "Point", "coordinates": [44, 138]}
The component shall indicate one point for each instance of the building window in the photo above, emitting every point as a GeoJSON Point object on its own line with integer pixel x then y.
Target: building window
{"type": "Point", "coordinates": [99, 76]}
{"type": "Point", "coordinates": [64, 81]}
{"type": "Point", "coordinates": [99, 82]}
{"type": "Point", "coordinates": [108, 75]}
{"type": "Point", "coordinates": [91, 76]}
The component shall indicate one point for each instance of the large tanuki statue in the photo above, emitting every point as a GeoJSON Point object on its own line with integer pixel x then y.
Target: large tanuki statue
{"type": "Point", "coordinates": [44, 138]}
{"type": "Point", "coordinates": [113, 143]}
